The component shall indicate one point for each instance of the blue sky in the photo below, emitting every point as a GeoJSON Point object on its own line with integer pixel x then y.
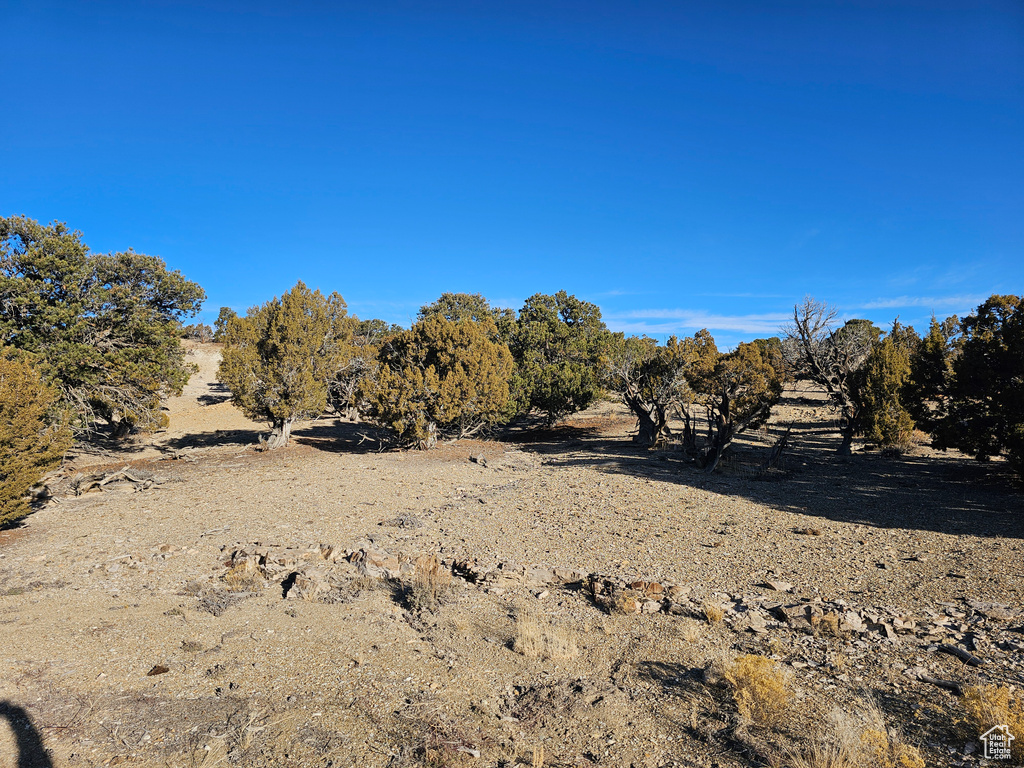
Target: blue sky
{"type": "Point", "coordinates": [680, 164]}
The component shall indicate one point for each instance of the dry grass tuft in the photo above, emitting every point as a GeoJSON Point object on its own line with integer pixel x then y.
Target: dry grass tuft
{"type": "Point", "coordinates": [760, 689]}
{"type": "Point", "coordinates": [713, 612]}
{"type": "Point", "coordinates": [829, 625]}
{"type": "Point", "coordinates": [431, 584]}
{"type": "Point", "coordinates": [689, 630]}
{"type": "Point", "coordinates": [539, 639]}
{"type": "Point", "coordinates": [624, 601]}
{"type": "Point", "coordinates": [853, 744]}
{"type": "Point", "coordinates": [244, 577]}
{"type": "Point", "coordinates": [538, 757]}
{"type": "Point", "coordinates": [990, 705]}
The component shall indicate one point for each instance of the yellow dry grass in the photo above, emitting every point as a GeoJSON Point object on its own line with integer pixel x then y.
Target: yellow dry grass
{"type": "Point", "coordinates": [988, 706]}
{"type": "Point", "coordinates": [539, 639]}
{"type": "Point", "coordinates": [760, 689]}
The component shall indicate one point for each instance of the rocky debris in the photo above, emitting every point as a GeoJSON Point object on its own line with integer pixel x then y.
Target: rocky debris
{"type": "Point", "coordinates": [495, 576]}
{"type": "Point", "coordinates": [140, 479]}
{"type": "Point", "coordinates": [478, 458]}
{"type": "Point", "coordinates": [408, 521]}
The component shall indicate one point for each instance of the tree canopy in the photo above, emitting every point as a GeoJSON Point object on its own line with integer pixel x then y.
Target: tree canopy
{"type": "Point", "coordinates": [105, 327]}
{"type": "Point", "coordinates": [279, 358]}
{"type": "Point", "coordinates": [986, 395]}
{"type": "Point", "coordinates": [442, 377]}
{"type": "Point", "coordinates": [558, 343]}
{"type": "Point", "coordinates": [32, 437]}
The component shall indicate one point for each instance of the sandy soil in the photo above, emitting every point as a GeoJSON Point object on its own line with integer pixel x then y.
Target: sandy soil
{"type": "Point", "coordinates": [100, 589]}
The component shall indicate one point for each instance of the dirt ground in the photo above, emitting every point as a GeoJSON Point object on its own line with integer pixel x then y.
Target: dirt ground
{"type": "Point", "coordinates": [136, 630]}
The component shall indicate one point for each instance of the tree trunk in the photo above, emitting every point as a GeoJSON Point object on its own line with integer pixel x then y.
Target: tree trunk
{"type": "Point", "coordinates": [846, 447]}
{"type": "Point", "coordinates": [430, 440]}
{"type": "Point", "coordinates": [280, 435]}
{"type": "Point", "coordinates": [649, 429]}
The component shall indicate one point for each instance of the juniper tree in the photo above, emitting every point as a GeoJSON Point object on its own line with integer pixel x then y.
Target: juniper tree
{"type": "Point", "coordinates": [441, 377]}
{"type": "Point", "coordinates": [931, 374]}
{"type": "Point", "coordinates": [32, 436]}
{"type": "Point", "coordinates": [832, 357]}
{"type": "Point", "coordinates": [348, 385]}
{"type": "Point", "coordinates": [105, 328]}
{"type": "Point", "coordinates": [986, 394]}
{"type": "Point", "coordinates": [559, 343]}
{"type": "Point", "coordinates": [654, 379]}
{"type": "Point", "coordinates": [279, 358]}
{"type": "Point", "coordinates": [886, 418]}
{"type": "Point", "coordinates": [738, 394]}
{"type": "Point", "coordinates": [220, 325]}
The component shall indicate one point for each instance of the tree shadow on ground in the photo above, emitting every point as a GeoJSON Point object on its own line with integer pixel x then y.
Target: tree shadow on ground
{"type": "Point", "coordinates": [338, 436]}
{"type": "Point", "coordinates": [941, 492]}
{"type": "Point", "coordinates": [31, 752]}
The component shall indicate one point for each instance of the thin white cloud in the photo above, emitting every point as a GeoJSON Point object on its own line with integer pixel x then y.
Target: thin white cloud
{"type": "Point", "coordinates": [675, 320]}
{"type": "Point", "coordinates": [924, 301]}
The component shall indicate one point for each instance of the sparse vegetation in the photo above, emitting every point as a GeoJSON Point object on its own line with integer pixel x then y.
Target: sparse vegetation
{"type": "Point", "coordinates": [537, 638]}
{"type": "Point", "coordinates": [712, 611]}
{"type": "Point", "coordinates": [987, 706]}
{"type": "Point", "coordinates": [760, 688]}
{"type": "Point", "coordinates": [431, 584]}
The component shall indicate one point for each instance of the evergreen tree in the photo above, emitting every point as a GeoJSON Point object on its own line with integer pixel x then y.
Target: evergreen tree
{"type": "Point", "coordinates": [986, 396]}
{"type": "Point", "coordinates": [559, 344]}
{"type": "Point", "coordinates": [738, 394]}
{"type": "Point", "coordinates": [220, 325]}
{"type": "Point", "coordinates": [441, 377]}
{"type": "Point", "coordinates": [653, 379]}
{"type": "Point", "coordinates": [831, 357]}
{"type": "Point", "coordinates": [931, 374]}
{"type": "Point", "coordinates": [32, 440]}
{"type": "Point", "coordinates": [105, 328]}
{"type": "Point", "coordinates": [886, 419]}
{"type": "Point", "coordinates": [279, 359]}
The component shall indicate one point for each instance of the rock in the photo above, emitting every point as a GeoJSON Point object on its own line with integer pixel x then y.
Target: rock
{"type": "Point", "coordinates": [753, 621]}
{"type": "Point", "coordinates": [482, 461]}
{"type": "Point", "coordinates": [651, 606]}
{"type": "Point", "coordinates": [539, 576]}
{"type": "Point", "coordinates": [802, 616]}
{"type": "Point", "coordinates": [677, 593]}
{"type": "Point", "coordinates": [884, 629]}
{"type": "Point", "coordinates": [904, 625]}
{"type": "Point", "coordinates": [779, 586]}
{"type": "Point", "coordinates": [851, 621]}
{"type": "Point", "coordinates": [159, 669]}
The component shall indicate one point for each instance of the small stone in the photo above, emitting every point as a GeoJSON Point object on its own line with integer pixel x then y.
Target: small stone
{"type": "Point", "coordinates": [780, 586]}
{"type": "Point", "coordinates": [159, 669]}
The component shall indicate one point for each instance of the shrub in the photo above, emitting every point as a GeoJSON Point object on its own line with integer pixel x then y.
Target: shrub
{"type": "Point", "coordinates": [990, 705]}
{"type": "Point", "coordinates": [539, 639]}
{"type": "Point", "coordinates": [30, 442]}
{"type": "Point", "coordinates": [713, 612]}
{"type": "Point", "coordinates": [759, 688]}
{"type": "Point", "coordinates": [852, 744]}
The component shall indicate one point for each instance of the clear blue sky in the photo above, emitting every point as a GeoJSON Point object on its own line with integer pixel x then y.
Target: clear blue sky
{"type": "Point", "coordinates": [680, 164]}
